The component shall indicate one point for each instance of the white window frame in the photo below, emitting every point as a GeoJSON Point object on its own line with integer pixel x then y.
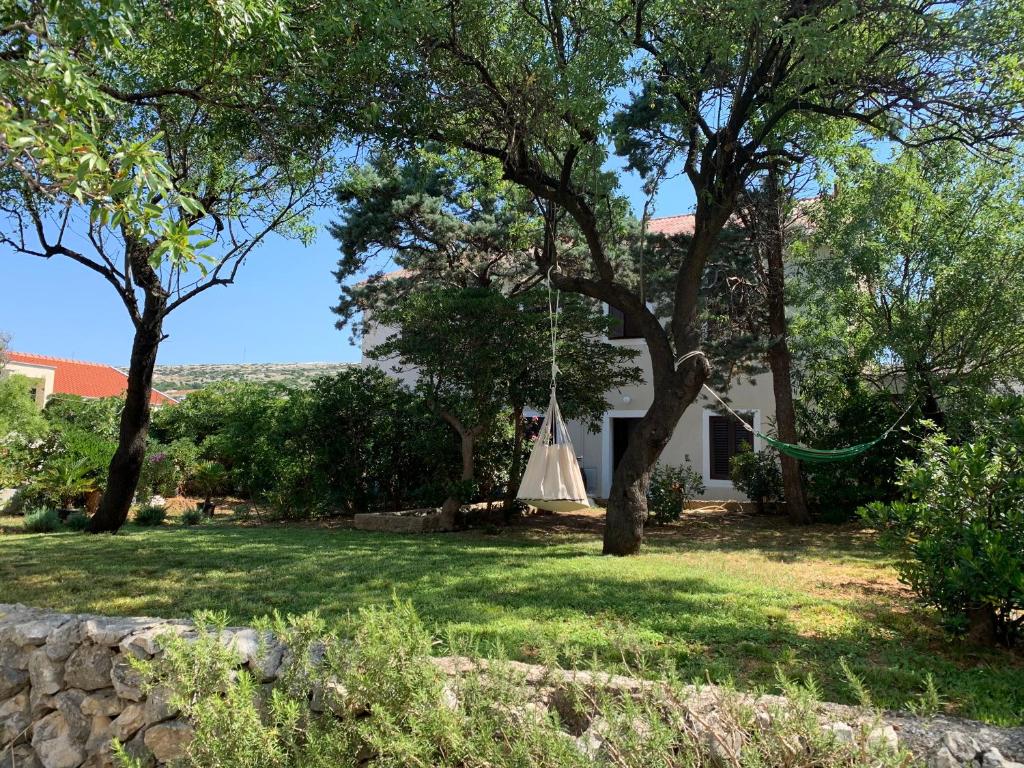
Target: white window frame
{"type": "Point", "coordinates": [706, 443]}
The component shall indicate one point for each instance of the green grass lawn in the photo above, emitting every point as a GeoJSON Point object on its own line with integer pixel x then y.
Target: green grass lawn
{"type": "Point", "coordinates": [728, 598]}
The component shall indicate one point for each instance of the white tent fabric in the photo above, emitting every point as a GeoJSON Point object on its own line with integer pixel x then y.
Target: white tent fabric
{"type": "Point", "coordinates": [553, 479]}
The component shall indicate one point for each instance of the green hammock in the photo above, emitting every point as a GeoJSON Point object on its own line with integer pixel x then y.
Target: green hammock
{"type": "Point", "coordinates": [814, 455]}
{"type": "Point", "coordinates": [821, 456]}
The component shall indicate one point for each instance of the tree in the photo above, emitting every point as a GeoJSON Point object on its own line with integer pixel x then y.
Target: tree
{"type": "Point", "coordinates": [925, 277]}
{"type": "Point", "coordinates": [768, 215]}
{"type": "Point", "coordinates": [160, 173]}
{"type": "Point", "coordinates": [722, 92]}
{"type": "Point", "coordinates": [478, 352]}
{"type": "Point", "coordinates": [450, 222]}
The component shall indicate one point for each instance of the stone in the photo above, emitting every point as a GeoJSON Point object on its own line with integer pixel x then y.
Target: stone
{"type": "Point", "coordinates": [961, 746]}
{"type": "Point", "coordinates": [260, 651]}
{"type": "Point", "coordinates": [128, 723]}
{"type": "Point", "coordinates": [104, 702]}
{"type": "Point", "coordinates": [138, 750]}
{"type": "Point", "coordinates": [89, 667]}
{"type": "Point", "coordinates": [330, 696]}
{"type": "Point", "coordinates": [22, 756]}
{"type": "Point", "coordinates": [993, 758]}
{"type": "Point", "coordinates": [41, 703]}
{"type": "Point", "coordinates": [54, 743]}
{"type": "Point", "coordinates": [15, 718]}
{"type": "Point", "coordinates": [35, 632]}
{"type": "Point", "coordinates": [104, 758]}
{"type": "Point", "coordinates": [111, 631]}
{"type": "Point", "coordinates": [13, 656]}
{"type": "Point", "coordinates": [63, 640]}
{"type": "Point", "coordinates": [157, 706]}
{"type": "Point", "coordinates": [69, 704]}
{"type": "Point", "coordinates": [127, 681]}
{"type": "Point", "coordinates": [842, 732]}
{"type": "Point", "coordinates": [45, 674]}
{"type": "Point", "coordinates": [169, 741]}
{"type": "Point", "coordinates": [12, 681]}
{"type": "Point", "coordinates": [100, 733]}
{"type": "Point", "coordinates": [145, 643]}
{"type": "Point", "coordinates": [884, 736]}
{"type": "Point", "coordinates": [943, 758]}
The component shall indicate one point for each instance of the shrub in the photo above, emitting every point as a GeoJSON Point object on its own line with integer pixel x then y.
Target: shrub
{"type": "Point", "coordinates": [670, 488]}
{"type": "Point", "coordinates": [758, 475]}
{"type": "Point", "coordinates": [192, 516]}
{"type": "Point", "coordinates": [959, 531]}
{"type": "Point", "coordinates": [65, 479]}
{"type": "Point", "coordinates": [42, 521]}
{"type": "Point", "coordinates": [837, 410]}
{"type": "Point", "coordinates": [358, 441]}
{"type": "Point", "coordinates": [150, 514]}
{"type": "Point", "coordinates": [379, 700]}
{"type": "Point", "coordinates": [76, 521]}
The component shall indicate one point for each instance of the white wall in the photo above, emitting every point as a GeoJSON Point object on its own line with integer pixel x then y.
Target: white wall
{"type": "Point", "coordinates": [689, 443]}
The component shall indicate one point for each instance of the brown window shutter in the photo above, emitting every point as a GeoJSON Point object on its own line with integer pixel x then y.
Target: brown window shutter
{"type": "Point", "coordinates": [721, 439]}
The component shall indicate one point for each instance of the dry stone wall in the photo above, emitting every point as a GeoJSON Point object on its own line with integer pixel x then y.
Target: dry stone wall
{"type": "Point", "coordinates": [67, 689]}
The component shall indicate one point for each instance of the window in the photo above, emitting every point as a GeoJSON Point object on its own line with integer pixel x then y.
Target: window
{"type": "Point", "coordinates": [726, 436]}
{"type": "Point", "coordinates": [622, 326]}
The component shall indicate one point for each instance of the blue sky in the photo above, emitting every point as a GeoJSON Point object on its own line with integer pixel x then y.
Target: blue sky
{"type": "Point", "coordinates": [278, 310]}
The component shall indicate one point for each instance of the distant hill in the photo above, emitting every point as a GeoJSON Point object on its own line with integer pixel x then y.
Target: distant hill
{"type": "Point", "coordinates": [173, 378]}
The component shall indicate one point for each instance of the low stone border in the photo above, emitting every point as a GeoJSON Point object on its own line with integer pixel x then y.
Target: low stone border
{"type": "Point", "coordinates": [430, 522]}
{"type": "Point", "coordinates": [67, 689]}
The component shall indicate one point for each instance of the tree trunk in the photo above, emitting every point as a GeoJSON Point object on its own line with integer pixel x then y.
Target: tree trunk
{"type": "Point", "coordinates": [452, 505]}
{"type": "Point", "coordinates": [125, 467]}
{"type": "Point", "coordinates": [982, 625]}
{"type": "Point", "coordinates": [627, 498]}
{"type": "Point", "coordinates": [780, 360]}
{"type": "Point", "coordinates": [785, 423]}
{"type": "Point", "coordinates": [517, 463]}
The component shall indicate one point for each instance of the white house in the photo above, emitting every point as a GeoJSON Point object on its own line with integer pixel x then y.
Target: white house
{"type": "Point", "coordinates": [703, 438]}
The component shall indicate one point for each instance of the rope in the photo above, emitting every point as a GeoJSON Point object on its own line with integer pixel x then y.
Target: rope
{"type": "Point", "coordinates": [553, 309]}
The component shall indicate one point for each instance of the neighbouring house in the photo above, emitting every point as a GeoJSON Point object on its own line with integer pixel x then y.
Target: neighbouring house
{"type": "Point", "coordinates": [704, 438]}
{"type": "Point", "coordinates": [59, 376]}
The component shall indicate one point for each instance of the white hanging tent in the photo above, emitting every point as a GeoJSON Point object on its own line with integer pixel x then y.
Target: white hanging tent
{"type": "Point", "coordinates": [553, 479]}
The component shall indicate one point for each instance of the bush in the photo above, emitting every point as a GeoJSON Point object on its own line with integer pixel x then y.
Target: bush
{"type": "Point", "coordinates": [357, 441]}
{"type": "Point", "coordinates": [959, 531]}
{"type": "Point", "coordinates": [150, 514]}
{"type": "Point", "coordinates": [758, 475]}
{"type": "Point", "coordinates": [76, 521]}
{"type": "Point", "coordinates": [670, 488]}
{"type": "Point", "coordinates": [839, 413]}
{"type": "Point", "coordinates": [192, 516]}
{"type": "Point", "coordinates": [42, 521]}
{"type": "Point", "coordinates": [379, 700]}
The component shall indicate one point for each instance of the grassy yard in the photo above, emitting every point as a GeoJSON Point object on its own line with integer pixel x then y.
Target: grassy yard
{"type": "Point", "coordinates": [721, 597]}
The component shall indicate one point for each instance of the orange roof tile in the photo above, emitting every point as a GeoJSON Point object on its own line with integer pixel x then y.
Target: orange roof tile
{"type": "Point", "coordinates": [671, 225]}
{"type": "Point", "coordinates": [75, 377]}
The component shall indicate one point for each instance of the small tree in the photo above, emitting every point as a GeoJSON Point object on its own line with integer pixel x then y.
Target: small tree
{"type": "Point", "coordinates": [477, 352]}
{"type": "Point", "coordinates": [154, 147]}
{"type": "Point", "coordinates": [451, 222]}
{"type": "Point", "coordinates": [925, 283]}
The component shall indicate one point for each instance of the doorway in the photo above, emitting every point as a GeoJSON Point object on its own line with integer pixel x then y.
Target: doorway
{"type": "Point", "coordinates": [622, 428]}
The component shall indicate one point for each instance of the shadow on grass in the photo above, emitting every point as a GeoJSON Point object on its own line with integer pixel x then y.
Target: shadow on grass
{"type": "Point", "coordinates": [686, 603]}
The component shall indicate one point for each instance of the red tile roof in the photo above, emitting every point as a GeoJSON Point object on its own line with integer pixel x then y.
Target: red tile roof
{"type": "Point", "coordinates": [671, 225]}
{"type": "Point", "coordinates": [74, 377]}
